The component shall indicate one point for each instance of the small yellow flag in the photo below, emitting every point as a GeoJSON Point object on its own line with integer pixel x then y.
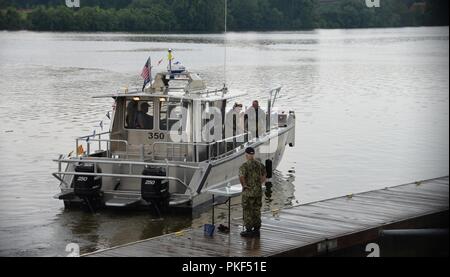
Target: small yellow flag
{"type": "Point", "coordinates": [170, 57]}
{"type": "Point", "coordinates": [80, 150]}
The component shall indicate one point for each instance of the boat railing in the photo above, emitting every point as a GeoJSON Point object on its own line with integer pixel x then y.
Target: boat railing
{"type": "Point", "coordinates": [97, 138]}
{"type": "Point", "coordinates": [198, 151]}
{"type": "Point", "coordinates": [234, 143]}
{"type": "Point", "coordinates": [172, 151]}
{"type": "Point", "coordinates": [97, 162]}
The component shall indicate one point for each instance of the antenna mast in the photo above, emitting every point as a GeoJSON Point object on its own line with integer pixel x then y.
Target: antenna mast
{"type": "Point", "coordinates": [225, 47]}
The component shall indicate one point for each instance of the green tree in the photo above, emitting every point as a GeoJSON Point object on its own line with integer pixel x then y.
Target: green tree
{"type": "Point", "coordinates": [245, 14]}
{"type": "Point", "coordinates": [40, 19]}
{"type": "Point", "coordinates": [207, 15]}
{"type": "Point", "coordinates": [437, 13]}
{"type": "Point", "coordinates": [12, 19]}
{"type": "Point", "coordinates": [271, 17]}
{"type": "Point", "coordinates": [61, 18]}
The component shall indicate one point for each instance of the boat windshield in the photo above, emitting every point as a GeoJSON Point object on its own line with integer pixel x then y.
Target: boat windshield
{"type": "Point", "coordinates": [139, 115]}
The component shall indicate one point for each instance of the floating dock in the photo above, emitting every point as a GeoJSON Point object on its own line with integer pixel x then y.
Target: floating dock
{"type": "Point", "coordinates": [314, 229]}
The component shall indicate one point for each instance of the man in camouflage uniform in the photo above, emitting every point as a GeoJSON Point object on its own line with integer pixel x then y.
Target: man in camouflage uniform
{"type": "Point", "coordinates": [252, 175]}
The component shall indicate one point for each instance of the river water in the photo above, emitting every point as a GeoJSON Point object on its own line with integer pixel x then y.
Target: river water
{"type": "Point", "coordinates": [372, 111]}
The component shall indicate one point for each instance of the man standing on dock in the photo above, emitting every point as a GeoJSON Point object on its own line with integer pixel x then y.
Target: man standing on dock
{"type": "Point", "coordinates": [252, 175]}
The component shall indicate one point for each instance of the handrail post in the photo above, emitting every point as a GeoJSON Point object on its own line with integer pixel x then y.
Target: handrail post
{"type": "Point", "coordinates": [167, 167]}
{"type": "Point", "coordinates": [153, 151]}
{"type": "Point", "coordinates": [142, 151]}
{"type": "Point", "coordinates": [246, 128]}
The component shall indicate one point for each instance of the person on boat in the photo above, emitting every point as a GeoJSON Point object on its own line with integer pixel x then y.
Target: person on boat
{"type": "Point", "coordinates": [143, 119]}
{"type": "Point", "coordinates": [255, 120]}
{"type": "Point", "coordinates": [234, 122]}
{"type": "Point", "coordinates": [131, 114]}
{"type": "Point", "coordinates": [252, 174]}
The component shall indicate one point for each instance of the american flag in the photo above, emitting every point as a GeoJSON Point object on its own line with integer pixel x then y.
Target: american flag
{"type": "Point", "coordinates": [147, 72]}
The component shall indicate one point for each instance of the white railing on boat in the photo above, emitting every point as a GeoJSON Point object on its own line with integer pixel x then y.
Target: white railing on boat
{"type": "Point", "coordinates": [92, 138]}
{"type": "Point", "coordinates": [200, 151]}
{"type": "Point", "coordinates": [99, 161]}
{"type": "Point", "coordinates": [213, 150]}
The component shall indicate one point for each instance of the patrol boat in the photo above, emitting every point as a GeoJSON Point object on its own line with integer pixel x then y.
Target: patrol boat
{"type": "Point", "coordinates": [157, 152]}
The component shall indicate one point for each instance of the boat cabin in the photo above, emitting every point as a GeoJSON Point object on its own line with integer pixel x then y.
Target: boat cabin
{"type": "Point", "coordinates": [174, 119]}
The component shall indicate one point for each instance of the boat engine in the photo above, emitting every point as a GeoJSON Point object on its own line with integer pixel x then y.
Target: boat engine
{"type": "Point", "coordinates": [87, 187]}
{"type": "Point", "coordinates": [155, 191]}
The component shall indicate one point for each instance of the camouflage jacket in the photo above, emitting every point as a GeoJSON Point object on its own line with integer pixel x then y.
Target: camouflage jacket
{"type": "Point", "coordinates": [252, 171]}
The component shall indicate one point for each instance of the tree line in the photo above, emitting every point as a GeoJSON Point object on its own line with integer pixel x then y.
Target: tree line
{"type": "Point", "coordinates": [207, 15]}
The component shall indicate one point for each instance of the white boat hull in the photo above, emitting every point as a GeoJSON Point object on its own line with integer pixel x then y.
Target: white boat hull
{"type": "Point", "coordinates": [213, 174]}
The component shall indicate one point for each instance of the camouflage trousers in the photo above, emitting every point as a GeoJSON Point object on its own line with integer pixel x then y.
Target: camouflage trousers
{"type": "Point", "coordinates": [251, 207]}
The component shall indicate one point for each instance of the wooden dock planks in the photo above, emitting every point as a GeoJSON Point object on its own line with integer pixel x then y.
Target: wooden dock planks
{"type": "Point", "coordinates": [303, 229]}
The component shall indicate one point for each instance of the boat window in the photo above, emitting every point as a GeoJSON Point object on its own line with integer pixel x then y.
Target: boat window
{"type": "Point", "coordinates": [169, 114]}
{"type": "Point", "coordinates": [139, 115]}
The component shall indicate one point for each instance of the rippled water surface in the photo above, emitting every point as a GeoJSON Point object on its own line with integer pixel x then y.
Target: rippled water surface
{"type": "Point", "coordinates": [372, 111]}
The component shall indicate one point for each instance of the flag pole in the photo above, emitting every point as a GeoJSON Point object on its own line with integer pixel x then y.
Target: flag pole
{"type": "Point", "coordinates": [225, 47]}
{"type": "Point", "coordinates": [169, 57]}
